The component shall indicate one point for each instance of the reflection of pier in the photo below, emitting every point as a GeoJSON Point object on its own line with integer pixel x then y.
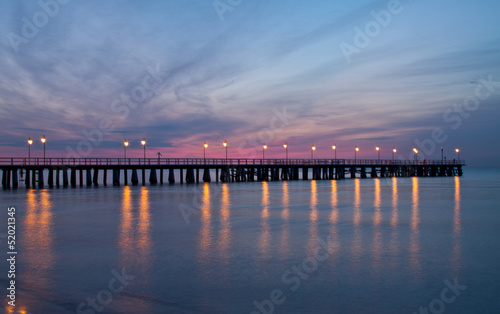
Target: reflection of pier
{"type": "Point", "coordinates": [85, 171]}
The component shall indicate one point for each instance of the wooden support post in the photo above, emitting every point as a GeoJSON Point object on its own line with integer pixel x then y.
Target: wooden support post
{"type": "Point", "coordinates": [189, 175]}
{"type": "Point", "coordinates": [4, 178]}
{"type": "Point", "coordinates": [65, 178]}
{"type": "Point", "coordinates": [135, 178]}
{"type": "Point", "coordinates": [152, 177]}
{"type": "Point", "coordinates": [9, 176]}
{"type": "Point", "coordinates": [171, 176]}
{"type": "Point", "coordinates": [206, 175]}
{"type": "Point", "coordinates": [96, 177]}
{"type": "Point", "coordinates": [116, 177]}
{"type": "Point", "coordinates": [15, 182]}
{"type": "Point", "coordinates": [420, 171]}
{"type": "Point", "coordinates": [7, 179]}
{"type": "Point", "coordinates": [244, 174]}
{"type": "Point", "coordinates": [33, 178]}
{"type": "Point", "coordinates": [105, 177]}
{"type": "Point", "coordinates": [40, 178]}
{"type": "Point", "coordinates": [50, 179]}
{"type": "Point", "coordinates": [58, 179]}
{"type": "Point", "coordinates": [73, 177]}
{"type": "Point", "coordinates": [27, 179]}
{"type": "Point", "coordinates": [363, 172]}
{"type": "Point", "coordinates": [88, 177]}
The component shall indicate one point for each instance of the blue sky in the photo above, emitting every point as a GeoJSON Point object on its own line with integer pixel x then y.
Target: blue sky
{"type": "Point", "coordinates": [179, 73]}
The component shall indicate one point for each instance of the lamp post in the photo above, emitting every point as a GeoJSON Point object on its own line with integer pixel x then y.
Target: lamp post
{"type": "Point", "coordinates": [356, 150]}
{"type": "Point", "coordinates": [378, 151]}
{"type": "Point", "coordinates": [143, 142]}
{"type": "Point", "coordinates": [442, 155]}
{"type": "Point", "coordinates": [225, 145]}
{"type": "Point", "coordinates": [394, 151]}
{"type": "Point", "coordinates": [264, 147]}
{"type": "Point", "coordinates": [286, 152]}
{"type": "Point", "coordinates": [458, 153]}
{"type": "Point", "coordinates": [30, 141]}
{"type": "Point", "coordinates": [43, 141]}
{"type": "Point", "coordinates": [415, 152]}
{"type": "Point", "coordinates": [205, 145]}
{"type": "Point", "coordinates": [334, 147]}
{"type": "Point", "coordinates": [125, 144]}
{"type": "Point", "coordinates": [313, 148]}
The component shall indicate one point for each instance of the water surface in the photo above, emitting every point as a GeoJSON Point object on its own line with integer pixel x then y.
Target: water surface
{"type": "Point", "coordinates": [394, 243]}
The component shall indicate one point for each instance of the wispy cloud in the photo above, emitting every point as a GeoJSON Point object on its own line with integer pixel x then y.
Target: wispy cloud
{"type": "Point", "coordinates": [224, 79]}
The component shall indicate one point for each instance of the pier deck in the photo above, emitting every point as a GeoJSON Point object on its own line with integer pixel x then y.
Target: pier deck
{"type": "Point", "coordinates": [65, 172]}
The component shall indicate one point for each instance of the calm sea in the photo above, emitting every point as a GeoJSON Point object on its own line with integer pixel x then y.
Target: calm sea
{"type": "Point", "coordinates": [390, 245]}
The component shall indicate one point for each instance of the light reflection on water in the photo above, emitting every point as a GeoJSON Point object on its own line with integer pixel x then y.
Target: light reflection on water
{"type": "Point", "coordinates": [38, 248]}
{"type": "Point", "coordinates": [313, 219]}
{"type": "Point", "coordinates": [209, 265]}
{"type": "Point", "coordinates": [356, 245]}
{"type": "Point", "coordinates": [224, 239]}
{"type": "Point", "coordinates": [285, 227]}
{"type": "Point", "coordinates": [334, 218]}
{"type": "Point", "coordinates": [377, 219]}
{"type": "Point", "coordinates": [205, 237]}
{"type": "Point", "coordinates": [457, 228]}
{"type": "Point", "coordinates": [135, 230]}
{"type": "Point", "coordinates": [415, 233]}
{"type": "Point", "coordinates": [394, 239]}
{"type": "Point", "coordinates": [265, 235]}
{"type": "Point", "coordinates": [135, 240]}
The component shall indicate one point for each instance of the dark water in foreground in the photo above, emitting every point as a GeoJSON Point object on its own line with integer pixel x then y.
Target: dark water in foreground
{"type": "Point", "coordinates": [387, 246]}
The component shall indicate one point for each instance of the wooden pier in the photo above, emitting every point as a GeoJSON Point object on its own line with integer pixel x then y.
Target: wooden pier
{"type": "Point", "coordinates": [73, 172]}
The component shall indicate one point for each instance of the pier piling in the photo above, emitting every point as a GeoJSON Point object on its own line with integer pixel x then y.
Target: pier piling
{"type": "Point", "coordinates": [231, 170]}
{"type": "Point", "coordinates": [65, 178]}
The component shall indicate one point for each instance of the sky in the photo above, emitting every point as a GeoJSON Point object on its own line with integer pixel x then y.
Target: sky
{"type": "Point", "coordinates": [403, 74]}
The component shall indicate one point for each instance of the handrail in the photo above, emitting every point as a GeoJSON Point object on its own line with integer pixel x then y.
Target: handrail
{"type": "Point", "coordinates": [95, 161]}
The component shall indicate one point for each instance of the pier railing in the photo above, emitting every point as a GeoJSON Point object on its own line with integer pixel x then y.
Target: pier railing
{"type": "Point", "coordinates": [19, 161]}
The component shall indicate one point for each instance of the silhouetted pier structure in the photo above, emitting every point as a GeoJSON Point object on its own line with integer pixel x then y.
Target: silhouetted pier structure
{"type": "Point", "coordinates": [73, 172]}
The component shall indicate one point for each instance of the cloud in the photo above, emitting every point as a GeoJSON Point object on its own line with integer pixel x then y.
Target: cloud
{"type": "Point", "coordinates": [223, 79]}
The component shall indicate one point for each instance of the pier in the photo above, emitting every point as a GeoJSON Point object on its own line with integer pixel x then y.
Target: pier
{"type": "Point", "coordinates": [73, 172]}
